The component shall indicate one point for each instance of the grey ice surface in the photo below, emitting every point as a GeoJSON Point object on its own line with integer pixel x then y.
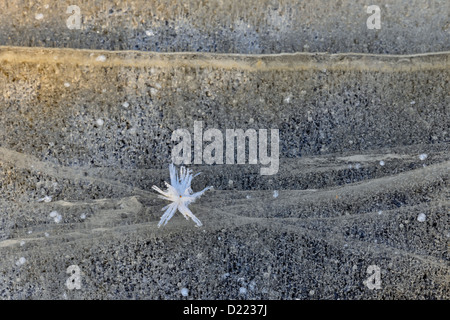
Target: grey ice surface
{"type": "Point", "coordinates": [229, 26]}
{"type": "Point", "coordinates": [364, 150]}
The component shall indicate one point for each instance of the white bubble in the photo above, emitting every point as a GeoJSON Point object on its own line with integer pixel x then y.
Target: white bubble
{"type": "Point", "coordinates": [66, 84]}
{"type": "Point", "coordinates": [125, 104]}
{"type": "Point", "coordinates": [100, 122]}
{"type": "Point", "coordinates": [153, 91]}
{"type": "Point", "coordinates": [275, 193]}
{"type": "Point", "coordinates": [184, 292]}
{"type": "Point", "coordinates": [421, 217]}
{"type": "Point", "coordinates": [83, 216]}
{"type": "Point", "coordinates": [380, 212]}
{"type": "Point", "coordinates": [248, 196]}
{"type": "Point", "coordinates": [100, 58]}
{"type": "Point", "coordinates": [149, 33]}
{"type": "Point", "coordinates": [21, 261]}
{"type": "Point", "coordinates": [47, 234]}
{"type": "Point", "coordinates": [423, 156]}
{"type": "Point", "coordinates": [382, 163]}
{"type": "Point", "coordinates": [56, 216]}
{"type": "Point", "coordinates": [39, 16]}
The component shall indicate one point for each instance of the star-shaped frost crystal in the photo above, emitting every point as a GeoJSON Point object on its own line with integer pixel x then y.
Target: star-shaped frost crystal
{"type": "Point", "coordinates": [180, 193]}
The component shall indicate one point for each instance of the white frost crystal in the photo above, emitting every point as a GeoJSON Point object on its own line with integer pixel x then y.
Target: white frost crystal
{"type": "Point", "coordinates": [180, 193]}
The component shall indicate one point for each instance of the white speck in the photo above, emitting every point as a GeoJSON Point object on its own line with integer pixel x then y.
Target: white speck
{"type": "Point", "coordinates": [46, 234]}
{"type": "Point", "coordinates": [21, 261]}
{"type": "Point", "coordinates": [83, 216]}
{"type": "Point", "coordinates": [423, 156]}
{"type": "Point", "coordinates": [132, 130]}
{"type": "Point", "coordinates": [248, 196]}
{"type": "Point", "coordinates": [382, 163]}
{"type": "Point", "coordinates": [153, 91]}
{"type": "Point", "coordinates": [103, 90]}
{"type": "Point", "coordinates": [275, 193]}
{"type": "Point", "coordinates": [219, 238]}
{"type": "Point", "coordinates": [46, 6]}
{"type": "Point", "coordinates": [66, 84]}
{"type": "Point", "coordinates": [101, 58]}
{"type": "Point", "coordinates": [357, 166]}
{"type": "Point", "coordinates": [412, 102]}
{"type": "Point", "coordinates": [56, 216]}
{"type": "Point", "coordinates": [22, 243]}
{"type": "Point", "coordinates": [149, 33]}
{"type": "Point", "coordinates": [350, 166]}
{"type": "Point", "coordinates": [380, 212]}
{"type": "Point", "coordinates": [288, 99]}
{"type": "Point", "coordinates": [311, 292]}
{"type": "Point", "coordinates": [421, 217]}
{"type": "Point", "coordinates": [184, 292]}
{"type": "Point", "coordinates": [45, 199]}
{"type": "Point", "coordinates": [30, 231]}
{"type": "Point", "coordinates": [242, 290]}
{"type": "Point", "coordinates": [230, 182]}
{"type": "Point", "coordinates": [125, 104]}
{"type": "Point", "coordinates": [39, 16]}
{"type": "Point", "coordinates": [100, 122]}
